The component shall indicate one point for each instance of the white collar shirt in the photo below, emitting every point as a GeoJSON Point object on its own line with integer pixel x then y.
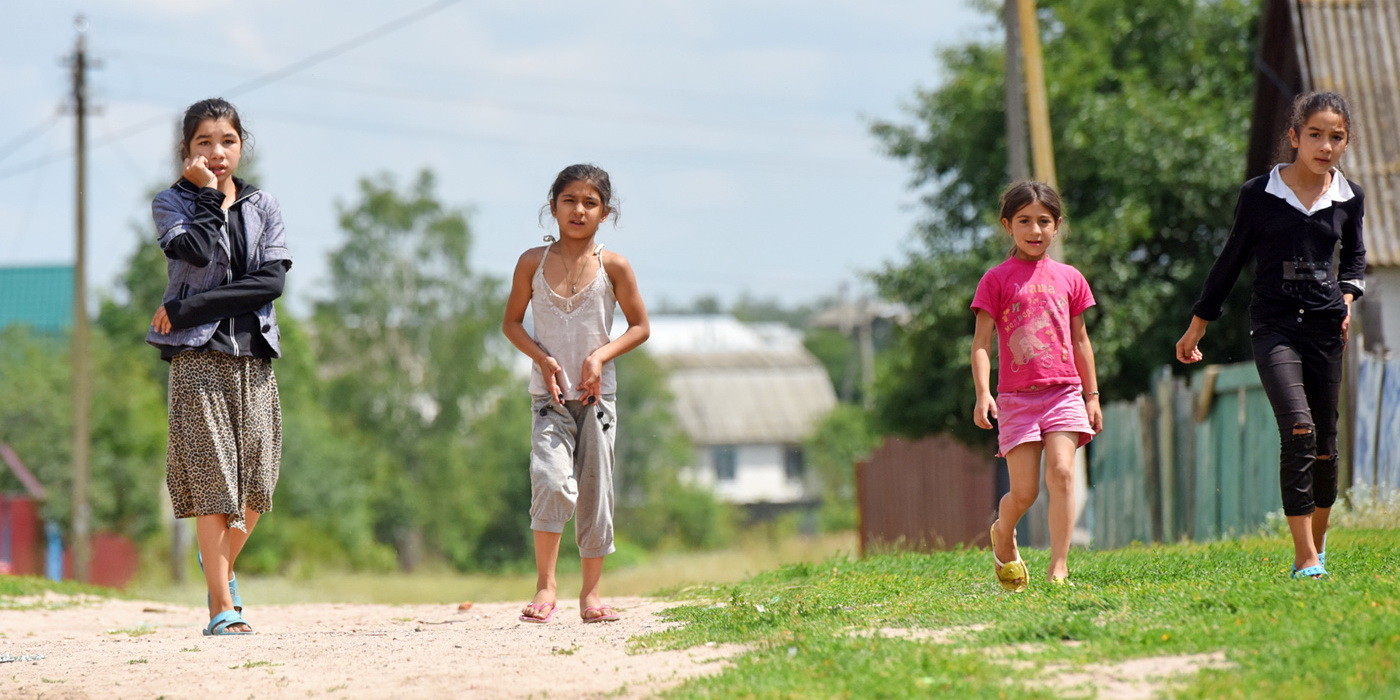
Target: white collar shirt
{"type": "Point", "coordinates": [1339, 191]}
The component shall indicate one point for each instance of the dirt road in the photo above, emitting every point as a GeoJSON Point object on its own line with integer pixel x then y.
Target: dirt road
{"type": "Point", "coordinates": [115, 648]}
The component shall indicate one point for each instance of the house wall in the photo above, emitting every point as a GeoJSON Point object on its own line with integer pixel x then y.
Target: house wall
{"type": "Point", "coordinates": [759, 475]}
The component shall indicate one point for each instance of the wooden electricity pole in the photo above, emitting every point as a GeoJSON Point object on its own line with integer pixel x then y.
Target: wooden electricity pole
{"type": "Point", "coordinates": [1042, 148]}
{"type": "Point", "coordinates": [82, 380]}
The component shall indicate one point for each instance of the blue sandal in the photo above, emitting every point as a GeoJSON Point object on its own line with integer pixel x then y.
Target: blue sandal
{"type": "Point", "coordinates": [232, 586]}
{"type": "Point", "coordinates": [1310, 572]}
{"type": "Point", "coordinates": [220, 624]}
{"type": "Point", "coordinates": [233, 591]}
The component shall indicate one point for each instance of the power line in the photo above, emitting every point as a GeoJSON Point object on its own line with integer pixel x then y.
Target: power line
{"type": "Point", "coordinates": [14, 144]}
{"type": "Point", "coordinates": [341, 48]}
{"type": "Point", "coordinates": [248, 86]}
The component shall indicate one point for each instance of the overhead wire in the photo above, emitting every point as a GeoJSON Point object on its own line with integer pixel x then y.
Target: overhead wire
{"type": "Point", "coordinates": [253, 84]}
{"type": "Point", "coordinates": [23, 139]}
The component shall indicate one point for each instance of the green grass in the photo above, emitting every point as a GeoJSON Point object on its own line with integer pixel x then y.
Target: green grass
{"type": "Point", "coordinates": [22, 587]}
{"type": "Point", "coordinates": [255, 664]}
{"type": "Point", "coordinates": [1339, 637]}
{"type": "Point", "coordinates": [140, 630]}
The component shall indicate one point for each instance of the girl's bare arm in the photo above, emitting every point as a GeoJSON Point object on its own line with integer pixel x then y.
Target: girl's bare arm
{"type": "Point", "coordinates": [629, 298]}
{"type": "Point", "coordinates": [982, 339]}
{"type": "Point", "coordinates": [1088, 375]}
{"type": "Point", "coordinates": [513, 323]}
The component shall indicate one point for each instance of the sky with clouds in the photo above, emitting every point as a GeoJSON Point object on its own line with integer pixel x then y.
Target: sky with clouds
{"type": "Point", "coordinates": [736, 132]}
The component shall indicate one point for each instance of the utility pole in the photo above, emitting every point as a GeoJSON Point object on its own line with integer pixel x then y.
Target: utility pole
{"type": "Point", "coordinates": [82, 379]}
{"type": "Point", "coordinates": [1018, 165]}
{"type": "Point", "coordinates": [1042, 149]}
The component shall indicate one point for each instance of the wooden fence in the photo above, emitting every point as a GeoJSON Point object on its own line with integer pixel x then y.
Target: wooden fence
{"type": "Point", "coordinates": [1195, 460]}
{"type": "Point", "coordinates": [1201, 461]}
{"type": "Point", "coordinates": [1376, 437]}
{"type": "Point", "coordinates": [932, 493]}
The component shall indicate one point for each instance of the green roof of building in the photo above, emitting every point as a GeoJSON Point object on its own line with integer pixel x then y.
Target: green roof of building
{"type": "Point", "coordinates": [40, 296]}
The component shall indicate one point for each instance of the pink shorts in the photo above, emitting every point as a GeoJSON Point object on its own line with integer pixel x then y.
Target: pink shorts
{"type": "Point", "coordinates": [1027, 415]}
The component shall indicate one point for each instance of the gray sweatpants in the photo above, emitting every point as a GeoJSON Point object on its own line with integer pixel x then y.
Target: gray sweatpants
{"type": "Point", "coordinates": [571, 465]}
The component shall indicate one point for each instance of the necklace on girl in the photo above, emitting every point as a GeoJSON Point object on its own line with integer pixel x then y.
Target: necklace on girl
{"type": "Point", "coordinates": [571, 275]}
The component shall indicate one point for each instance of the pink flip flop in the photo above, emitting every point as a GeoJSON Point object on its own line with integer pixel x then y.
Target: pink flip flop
{"type": "Point", "coordinates": [539, 607]}
{"type": "Point", "coordinates": [605, 614]}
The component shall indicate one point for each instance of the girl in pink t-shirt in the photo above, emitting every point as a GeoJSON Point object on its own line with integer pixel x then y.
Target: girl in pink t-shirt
{"type": "Point", "coordinates": [1047, 393]}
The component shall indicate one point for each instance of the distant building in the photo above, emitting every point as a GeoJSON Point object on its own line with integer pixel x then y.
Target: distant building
{"type": "Point", "coordinates": [38, 296]}
{"type": "Point", "coordinates": [747, 396]}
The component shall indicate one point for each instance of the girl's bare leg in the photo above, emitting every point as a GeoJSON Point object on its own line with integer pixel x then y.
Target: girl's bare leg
{"type": "Point", "coordinates": [1023, 466]}
{"type": "Point", "coordinates": [546, 585]}
{"type": "Point", "coordinates": [1059, 481]}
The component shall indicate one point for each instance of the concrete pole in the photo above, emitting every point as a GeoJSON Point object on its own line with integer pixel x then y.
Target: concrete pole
{"type": "Point", "coordinates": [82, 379]}
{"type": "Point", "coordinates": [1018, 165]}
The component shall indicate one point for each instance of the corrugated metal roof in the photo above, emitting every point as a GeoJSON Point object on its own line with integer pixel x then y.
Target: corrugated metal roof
{"type": "Point", "coordinates": [41, 297]}
{"type": "Point", "coordinates": [1351, 47]}
{"type": "Point", "coordinates": [716, 333]}
{"type": "Point", "coordinates": [760, 396]}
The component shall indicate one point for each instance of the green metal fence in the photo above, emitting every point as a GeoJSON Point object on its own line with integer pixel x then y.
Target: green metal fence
{"type": "Point", "coordinates": [1186, 461]}
{"type": "Point", "coordinates": [1237, 453]}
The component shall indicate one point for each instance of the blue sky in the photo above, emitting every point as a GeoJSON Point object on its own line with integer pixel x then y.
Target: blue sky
{"type": "Point", "coordinates": [736, 132]}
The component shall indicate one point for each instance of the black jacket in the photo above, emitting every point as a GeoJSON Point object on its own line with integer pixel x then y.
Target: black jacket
{"type": "Point", "coordinates": [1293, 253]}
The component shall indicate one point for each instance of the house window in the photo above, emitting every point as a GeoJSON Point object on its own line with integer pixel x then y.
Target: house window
{"type": "Point", "coordinates": [726, 462]}
{"type": "Point", "coordinates": [794, 465]}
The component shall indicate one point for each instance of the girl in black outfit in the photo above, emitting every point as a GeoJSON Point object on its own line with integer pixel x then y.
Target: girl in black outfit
{"type": "Point", "coordinates": [1289, 223]}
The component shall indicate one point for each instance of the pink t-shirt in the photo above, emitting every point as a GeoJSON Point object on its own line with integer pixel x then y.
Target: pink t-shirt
{"type": "Point", "coordinates": [1031, 304]}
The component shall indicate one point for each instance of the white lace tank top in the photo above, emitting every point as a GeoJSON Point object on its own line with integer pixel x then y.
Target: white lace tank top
{"type": "Point", "coordinates": [569, 328]}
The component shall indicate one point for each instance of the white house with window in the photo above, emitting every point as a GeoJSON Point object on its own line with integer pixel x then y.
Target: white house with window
{"type": "Point", "coordinates": [748, 396]}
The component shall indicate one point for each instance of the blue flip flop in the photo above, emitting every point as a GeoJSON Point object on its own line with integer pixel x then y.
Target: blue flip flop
{"type": "Point", "coordinates": [232, 586]}
{"type": "Point", "coordinates": [219, 626]}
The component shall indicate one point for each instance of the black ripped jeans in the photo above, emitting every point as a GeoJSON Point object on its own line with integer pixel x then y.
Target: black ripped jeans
{"type": "Point", "coordinates": [1300, 365]}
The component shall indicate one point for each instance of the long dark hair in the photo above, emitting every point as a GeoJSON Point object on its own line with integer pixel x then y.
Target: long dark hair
{"type": "Point", "coordinates": [1304, 106]}
{"type": "Point", "coordinates": [213, 108]}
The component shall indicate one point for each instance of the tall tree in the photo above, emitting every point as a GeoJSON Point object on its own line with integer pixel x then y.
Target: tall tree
{"type": "Point", "coordinates": [406, 338]}
{"type": "Point", "coordinates": [1149, 107]}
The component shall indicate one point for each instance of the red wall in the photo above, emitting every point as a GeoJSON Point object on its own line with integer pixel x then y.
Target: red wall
{"type": "Point", "coordinates": [20, 525]}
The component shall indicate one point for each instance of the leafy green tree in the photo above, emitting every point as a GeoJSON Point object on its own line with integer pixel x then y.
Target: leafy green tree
{"type": "Point", "coordinates": [407, 340]}
{"type": "Point", "coordinates": [127, 429]}
{"type": "Point", "coordinates": [36, 417]}
{"type": "Point", "coordinates": [844, 437]}
{"type": "Point", "coordinates": [1149, 109]}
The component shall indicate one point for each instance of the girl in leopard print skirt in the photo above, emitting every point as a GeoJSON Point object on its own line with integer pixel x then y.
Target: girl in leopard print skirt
{"type": "Point", "coordinates": [227, 258]}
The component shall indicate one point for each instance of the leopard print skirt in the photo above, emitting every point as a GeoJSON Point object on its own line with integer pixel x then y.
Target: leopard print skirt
{"type": "Point", "coordinates": [225, 445]}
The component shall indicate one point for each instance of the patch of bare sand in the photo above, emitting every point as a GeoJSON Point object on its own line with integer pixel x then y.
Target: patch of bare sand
{"type": "Point", "coordinates": [116, 648]}
{"type": "Point", "coordinates": [940, 635]}
{"type": "Point", "coordinates": [1134, 679]}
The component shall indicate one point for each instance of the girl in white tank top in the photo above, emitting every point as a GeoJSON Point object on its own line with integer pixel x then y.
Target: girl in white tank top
{"type": "Point", "coordinates": [571, 287]}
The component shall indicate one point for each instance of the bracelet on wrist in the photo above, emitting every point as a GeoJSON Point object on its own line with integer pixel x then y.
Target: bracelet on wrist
{"type": "Point", "coordinates": [1090, 393]}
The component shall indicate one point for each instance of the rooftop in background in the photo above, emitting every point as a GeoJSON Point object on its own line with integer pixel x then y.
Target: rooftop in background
{"type": "Point", "coordinates": [717, 333]}
{"type": "Point", "coordinates": [39, 296]}
{"type": "Point", "coordinates": [740, 383]}
{"type": "Point", "coordinates": [1350, 48]}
